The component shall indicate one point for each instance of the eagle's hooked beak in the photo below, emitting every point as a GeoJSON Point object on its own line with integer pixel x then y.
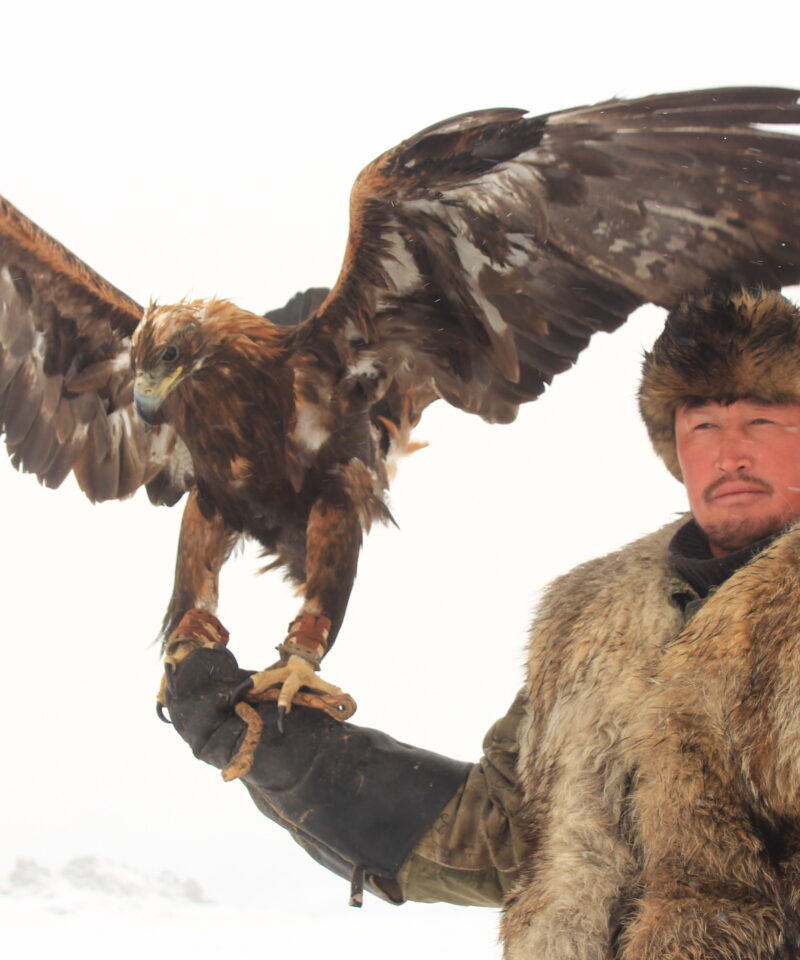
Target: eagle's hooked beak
{"type": "Point", "coordinates": [149, 394]}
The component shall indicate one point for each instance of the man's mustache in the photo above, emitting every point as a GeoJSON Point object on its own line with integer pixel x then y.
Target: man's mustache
{"type": "Point", "coordinates": [712, 488]}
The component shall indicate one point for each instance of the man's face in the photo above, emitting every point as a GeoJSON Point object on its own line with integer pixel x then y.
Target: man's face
{"type": "Point", "coordinates": [741, 466]}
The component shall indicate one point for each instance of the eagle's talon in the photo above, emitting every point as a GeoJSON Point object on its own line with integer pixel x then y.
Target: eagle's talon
{"type": "Point", "coordinates": [240, 692]}
{"type": "Point", "coordinates": [169, 676]}
{"type": "Point", "coordinates": [281, 714]}
{"type": "Point", "coordinates": [161, 715]}
{"type": "Point", "coordinates": [164, 687]}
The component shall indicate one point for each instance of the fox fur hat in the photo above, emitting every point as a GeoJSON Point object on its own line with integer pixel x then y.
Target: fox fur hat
{"type": "Point", "coordinates": [719, 346]}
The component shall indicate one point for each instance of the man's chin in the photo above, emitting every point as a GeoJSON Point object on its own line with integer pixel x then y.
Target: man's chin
{"type": "Point", "coordinates": [731, 535]}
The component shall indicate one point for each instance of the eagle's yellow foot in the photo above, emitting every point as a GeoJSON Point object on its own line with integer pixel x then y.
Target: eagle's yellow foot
{"type": "Point", "coordinates": [284, 683]}
{"type": "Point", "coordinates": [305, 645]}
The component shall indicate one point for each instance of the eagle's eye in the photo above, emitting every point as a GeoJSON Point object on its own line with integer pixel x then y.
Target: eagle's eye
{"type": "Point", "coordinates": [170, 355]}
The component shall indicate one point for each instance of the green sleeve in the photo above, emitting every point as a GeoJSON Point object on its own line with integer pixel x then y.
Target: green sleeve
{"type": "Point", "coordinates": [472, 852]}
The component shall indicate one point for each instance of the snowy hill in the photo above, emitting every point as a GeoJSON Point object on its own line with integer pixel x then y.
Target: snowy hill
{"type": "Point", "coordinates": [83, 879]}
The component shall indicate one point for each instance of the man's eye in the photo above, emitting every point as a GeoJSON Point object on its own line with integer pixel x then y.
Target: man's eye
{"type": "Point", "coordinates": [757, 421]}
{"type": "Point", "coordinates": [703, 426]}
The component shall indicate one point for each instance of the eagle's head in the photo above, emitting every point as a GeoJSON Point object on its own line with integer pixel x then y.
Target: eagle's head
{"type": "Point", "coordinates": [173, 343]}
{"type": "Point", "coordinates": [169, 345]}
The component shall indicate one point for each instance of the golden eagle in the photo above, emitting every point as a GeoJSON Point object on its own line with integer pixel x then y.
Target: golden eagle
{"type": "Point", "coordinates": [483, 254]}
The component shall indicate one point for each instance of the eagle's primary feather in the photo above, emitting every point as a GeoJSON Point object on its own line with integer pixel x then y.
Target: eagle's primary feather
{"type": "Point", "coordinates": [483, 254]}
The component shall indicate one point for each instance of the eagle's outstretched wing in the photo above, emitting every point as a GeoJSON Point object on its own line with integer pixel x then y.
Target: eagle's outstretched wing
{"type": "Point", "coordinates": [486, 250]}
{"type": "Point", "coordinates": [66, 385]}
{"type": "Point", "coordinates": [483, 253]}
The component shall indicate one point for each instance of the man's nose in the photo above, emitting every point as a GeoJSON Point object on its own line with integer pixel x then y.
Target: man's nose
{"type": "Point", "coordinates": [734, 454]}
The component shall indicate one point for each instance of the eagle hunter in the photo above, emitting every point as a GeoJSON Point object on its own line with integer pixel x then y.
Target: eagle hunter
{"type": "Point", "coordinates": [483, 254]}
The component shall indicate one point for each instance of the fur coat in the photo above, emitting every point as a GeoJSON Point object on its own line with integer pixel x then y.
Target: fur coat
{"type": "Point", "coordinates": [661, 765]}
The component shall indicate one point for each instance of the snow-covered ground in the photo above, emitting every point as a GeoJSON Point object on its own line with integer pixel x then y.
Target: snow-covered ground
{"type": "Point", "coordinates": [96, 908]}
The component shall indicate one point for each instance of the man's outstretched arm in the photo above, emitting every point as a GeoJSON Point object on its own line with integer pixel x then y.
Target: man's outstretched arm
{"type": "Point", "coordinates": [408, 823]}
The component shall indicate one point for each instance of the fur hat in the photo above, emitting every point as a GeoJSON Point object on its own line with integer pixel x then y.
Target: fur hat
{"type": "Point", "coordinates": [719, 346]}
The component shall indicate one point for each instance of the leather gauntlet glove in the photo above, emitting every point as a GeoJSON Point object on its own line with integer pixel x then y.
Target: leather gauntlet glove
{"type": "Point", "coordinates": [355, 799]}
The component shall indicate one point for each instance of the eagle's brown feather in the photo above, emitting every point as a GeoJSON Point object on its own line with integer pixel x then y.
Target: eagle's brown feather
{"type": "Point", "coordinates": [66, 386]}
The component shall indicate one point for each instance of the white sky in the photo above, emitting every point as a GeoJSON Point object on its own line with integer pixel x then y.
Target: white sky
{"type": "Point", "coordinates": [180, 149]}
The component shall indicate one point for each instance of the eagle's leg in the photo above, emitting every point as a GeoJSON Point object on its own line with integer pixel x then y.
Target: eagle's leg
{"type": "Point", "coordinates": [204, 545]}
{"type": "Point", "coordinates": [333, 541]}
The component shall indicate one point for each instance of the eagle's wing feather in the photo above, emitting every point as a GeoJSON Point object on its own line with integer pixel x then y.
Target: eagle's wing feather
{"type": "Point", "coordinates": [486, 250]}
{"type": "Point", "coordinates": [66, 386]}
{"type": "Point", "coordinates": [298, 308]}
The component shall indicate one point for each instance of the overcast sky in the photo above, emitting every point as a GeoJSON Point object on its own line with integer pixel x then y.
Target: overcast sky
{"type": "Point", "coordinates": [183, 150]}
